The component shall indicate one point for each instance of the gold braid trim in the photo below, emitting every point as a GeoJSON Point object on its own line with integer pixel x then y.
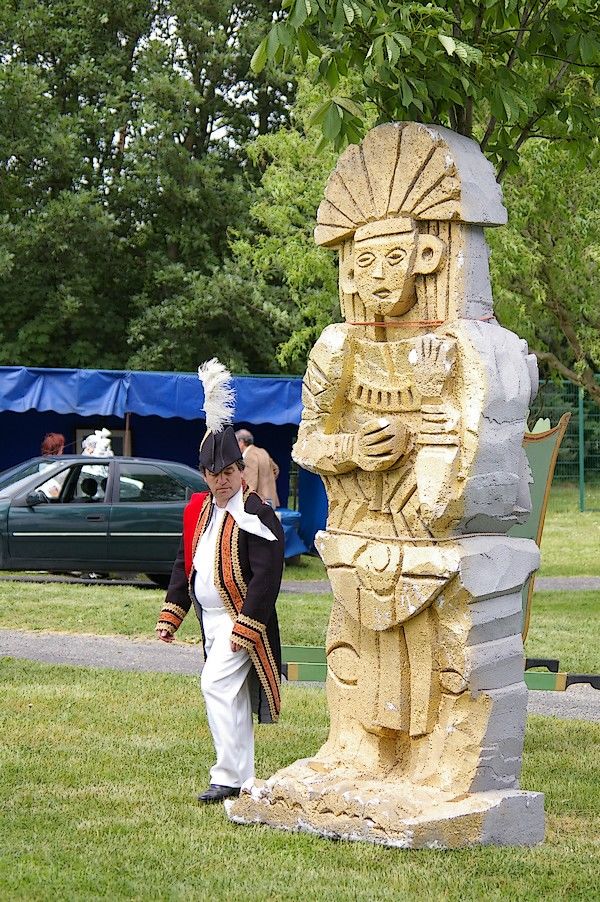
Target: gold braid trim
{"type": "Point", "coordinates": [254, 657]}
{"type": "Point", "coordinates": [237, 567]}
{"type": "Point", "coordinates": [174, 609]}
{"type": "Point", "coordinates": [222, 556]}
{"type": "Point", "coordinates": [170, 618]}
{"type": "Point", "coordinates": [262, 629]}
{"type": "Point", "coordinates": [242, 618]}
{"type": "Point", "coordinates": [162, 625]}
{"type": "Point", "coordinates": [263, 662]}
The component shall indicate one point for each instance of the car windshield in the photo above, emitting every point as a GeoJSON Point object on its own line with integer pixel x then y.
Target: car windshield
{"type": "Point", "coordinates": [13, 486]}
{"type": "Point", "coordinates": [17, 474]}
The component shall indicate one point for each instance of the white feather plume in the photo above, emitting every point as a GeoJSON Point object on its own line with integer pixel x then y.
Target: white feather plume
{"type": "Point", "coordinates": [219, 397]}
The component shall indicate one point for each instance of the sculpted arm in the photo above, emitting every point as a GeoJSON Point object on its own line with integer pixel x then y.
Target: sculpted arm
{"type": "Point", "coordinates": [321, 447]}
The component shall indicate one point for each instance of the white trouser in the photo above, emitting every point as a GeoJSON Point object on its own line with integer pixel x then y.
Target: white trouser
{"type": "Point", "coordinates": [226, 693]}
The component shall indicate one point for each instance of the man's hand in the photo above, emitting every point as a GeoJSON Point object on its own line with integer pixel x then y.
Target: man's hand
{"type": "Point", "coordinates": [234, 646]}
{"type": "Point", "coordinates": [165, 636]}
{"type": "Point", "coordinates": [380, 443]}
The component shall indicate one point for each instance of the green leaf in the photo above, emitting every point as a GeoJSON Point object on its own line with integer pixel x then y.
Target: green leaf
{"type": "Point", "coordinates": [299, 14]}
{"type": "Point", "coordinates": [332, 122]}
{"type": "Point", "coordinates": [284, 34]}
{"type": "Point", "coordinates": [404, 41]}
{"type": "Point", "coordinates": [312, 46]}
{"type": "Point", "coordinates": [259, 57]}
{"type": "Point", "coordinates": [588, 48]}
{"type": "Point", "coordinates": [392, 48]}
{"type": "Point", "coordinates": [448, 43]}
{"type": "Point", "coordinates": [347, 104]}
{"type": "Point", "coordinates": [331, 74]}
{"type": "Point", "coordinates": [348, 12]}
{"type": "Point", "coordinates": [339, 18]}
{"type": "Point", "coordinates": [406, 93]}
{"type": "Point", "coordinates": [319, 114]}
{"type": "Point", "coordinates": [273, 42]}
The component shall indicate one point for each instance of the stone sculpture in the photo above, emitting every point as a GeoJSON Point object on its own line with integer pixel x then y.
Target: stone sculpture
{"type": "Point", "coordinates": [414, 414]}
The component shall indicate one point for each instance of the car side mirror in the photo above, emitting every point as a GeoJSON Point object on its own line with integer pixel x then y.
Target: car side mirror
{"type": "Point", "coordinates": [36, 497]}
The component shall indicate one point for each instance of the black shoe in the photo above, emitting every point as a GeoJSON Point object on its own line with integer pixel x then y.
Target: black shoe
{"type": "Point", "coordinates": [216, 793]}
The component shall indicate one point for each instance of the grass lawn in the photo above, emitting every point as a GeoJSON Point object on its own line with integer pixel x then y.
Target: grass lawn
{"type": "Point", "coordinates": [128, 611]}
{"type": "Point", "coordinates": [571, 544]}
{"type": "Point", "coordinates": [99, 771]}
{"type": "Point", "coordinates": [307, 567]}
{"type": "Point", "coordinates": [564, 625]}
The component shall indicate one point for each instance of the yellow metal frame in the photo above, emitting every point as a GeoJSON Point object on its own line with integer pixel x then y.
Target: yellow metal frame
{"type": "Point", "coordinates": [530, 437]}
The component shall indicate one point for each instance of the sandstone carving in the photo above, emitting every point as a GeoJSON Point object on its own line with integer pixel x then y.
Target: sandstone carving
{"type": "Point", "coordinates": [414, 414]}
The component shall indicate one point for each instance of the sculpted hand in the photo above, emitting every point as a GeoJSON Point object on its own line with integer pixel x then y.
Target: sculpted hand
{"type": "Point", "coordinates": [432, 359]}
{"type": "Point", "coordinates": [380, 443]}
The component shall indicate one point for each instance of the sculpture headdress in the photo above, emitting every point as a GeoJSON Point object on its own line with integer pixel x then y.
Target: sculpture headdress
{"type": "Point", "coordinates": [408, 170]}
{"type": "Point", "coordinates": [219, 447]}
{"type": "Point", "coordinates": [407, 174]}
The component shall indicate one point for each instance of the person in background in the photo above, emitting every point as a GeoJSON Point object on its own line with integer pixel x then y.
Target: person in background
{"type": "Point", "coordinates": [260, 470]}
{"type": "Point", "coordinates": [97, 444]}
{"type": "Point", "coordinates": [53, 444]}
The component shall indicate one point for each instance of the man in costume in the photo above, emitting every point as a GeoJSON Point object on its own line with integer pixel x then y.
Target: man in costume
{"type": "Point", "coordinates": [260, 470]}
{"type": "Point", "coordinates": [229, 566]}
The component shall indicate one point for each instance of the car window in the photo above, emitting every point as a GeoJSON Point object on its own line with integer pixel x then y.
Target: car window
{"type": "Point", "coordinates": [54, 486]}
{"type": "Point", "coordinates": [83, 484]}
{"type": "Point", "coordinates": [147, 483]}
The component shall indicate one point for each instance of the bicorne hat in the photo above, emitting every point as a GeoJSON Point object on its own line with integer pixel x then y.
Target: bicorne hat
{"type": "Point", "coordinates": [219, 447]}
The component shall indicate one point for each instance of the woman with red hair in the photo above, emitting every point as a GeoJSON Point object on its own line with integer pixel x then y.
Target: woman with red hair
{"type": "Point", "coordinates": [54, 443]}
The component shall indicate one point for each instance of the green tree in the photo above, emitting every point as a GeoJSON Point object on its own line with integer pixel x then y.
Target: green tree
{"type": "Point", "coordinates": [501, 70]}
{"type": "Point", "coordinates": [122, 167]}
{"type": "Point", "coordinates": [546, 262]}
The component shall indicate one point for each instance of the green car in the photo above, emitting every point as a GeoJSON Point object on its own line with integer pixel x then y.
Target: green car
{"type": "Point", "coordinates": [95, 514]}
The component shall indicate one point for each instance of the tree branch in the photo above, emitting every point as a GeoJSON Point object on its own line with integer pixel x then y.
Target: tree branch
{"type": "Point", "coordinates": [585, 380]}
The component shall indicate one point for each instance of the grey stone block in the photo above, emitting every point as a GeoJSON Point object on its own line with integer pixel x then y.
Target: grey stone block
{"type": "Point", "coordinates": [493, 665]}
{"type": "Point", "coordinates": [495, 618]}
{"type": "Point", "coordinates": [517, 821]}
{"type": "Point", "coordinates": [496, 566]}
{"type": "Point", "coordinates": [506, 725]}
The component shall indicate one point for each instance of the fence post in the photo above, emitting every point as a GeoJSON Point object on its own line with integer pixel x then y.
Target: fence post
{"type": "Point", "coordinates": [581, 452]}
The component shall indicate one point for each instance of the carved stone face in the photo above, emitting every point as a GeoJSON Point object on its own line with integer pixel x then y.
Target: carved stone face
{"type": "Point", "coordinates": [384, 272]}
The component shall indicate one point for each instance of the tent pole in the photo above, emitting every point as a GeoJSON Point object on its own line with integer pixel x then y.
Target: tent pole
{"type": "Point", "coordinates": [127, 439]}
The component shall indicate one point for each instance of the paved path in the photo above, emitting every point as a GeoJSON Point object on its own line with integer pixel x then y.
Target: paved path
{"type": "Point", "coordinates": [542, 583]}
{"type": "Point", "coordinates": [321, 586]}
{"type": "Point", "coordinates": [567, 583]}
{"type": "Point", "coordinates": [152, 656]}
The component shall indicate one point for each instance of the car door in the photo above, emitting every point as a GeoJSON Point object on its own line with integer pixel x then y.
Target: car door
{"type": "Point", "coordinates": [69, 528]}
{"type": "Point", "coordinates": [146, 517]}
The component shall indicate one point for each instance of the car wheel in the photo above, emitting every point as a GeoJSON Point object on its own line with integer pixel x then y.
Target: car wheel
{"type": "Point", "coordinates": [159, 579]}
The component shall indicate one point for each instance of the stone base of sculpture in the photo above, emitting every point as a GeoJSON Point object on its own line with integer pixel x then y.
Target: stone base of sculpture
{"type": "Point", "coordinates": [426, 755]}
{"type": "Point", "coordinates": [346, 807]}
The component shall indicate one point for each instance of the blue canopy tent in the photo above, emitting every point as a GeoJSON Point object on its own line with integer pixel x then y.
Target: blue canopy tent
{"type": "Point", "coordinates": [161, 415]}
